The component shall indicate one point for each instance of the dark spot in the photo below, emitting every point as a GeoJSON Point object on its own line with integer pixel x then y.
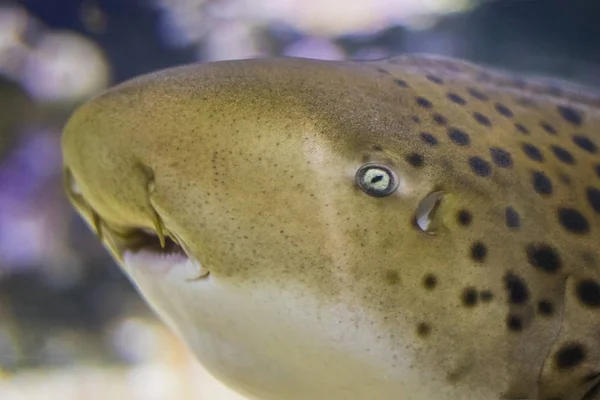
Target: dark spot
{"type": "Point", "coordinates": [570, 115]}
{"type": "Point", "coordinates": [486, 296]}
{"type": "Point", "coordinates": [585, 143]}
{"type": "Point", "coordinates": [459, 137]}
{"type": "Point", "coordinates": [563, 154]}
{"type": "Point", "coordinates": [593, 196]}
{"type": "Point", "coordinates": [545, 308]}
{"type": "Point", "coordinates": [479, 166]}
{"type": "Point", "coordinates": [482, 119]}
{"type": "Point", "coordinates": [392, 277]}
{"type": "Point", "coordinates": [382, 70]}
{"type": "Point", "coordinates": [415, 159]}
{"type": "Point", "coordinates": [543, 257]}
{"type": "Point", "coordinates": [401, 83]}
{"type": "Point", "coordinates": [516, 288]}
{"type": "Point", "coordinates": [423, 102]}
{"type": "Point", "coordinates": [588, 292]}
{"type": "Point", "coordinates": [423, 329]}
{"type": "Point", "coordinates": [514, 323]}
{"type": "Point", "coordinates": [569, 356]}
{"type": "Point", "coordinates": [513, 220]}
{"type": "Point", "coordinates": [478, 251]}
{"type": "Point", "coordinates": [501, 157]}
{"type": "Point", "coordinates": [435, 79]}
{"type": "Point", "coordinates": [429, 281]}
{"type": "Point", "coordinates": [440, 119]}
{"type": "Point", "coordinates": [456, 99]}
{"type": "Point", "coordinates": [503, 110]}
{"type": "Point", "coordinates": [429, 139]}
{"type": "Point", "coordinates": [548, 128]}
{"type": "Point", "coordinates": [572, 220]}
{"type": "Point", "coordinates": [522, 129]}
{"type": "Point", "coordinates": [597, 168]}
{"type": "Point", "coordinates": [477, 94]}
{"type": "Point", "coordinates": [376, 147]}
{"type": "Point", "coordinates": [469, 297]}
{"type": "Point", "coordinates": [532, 152]}
{"type": "Point", "coordinates": [464, 217]}
{"type": "Point", "coordinates": [541, 183]}
{"type": "Point", "coordinates": [415, 119]}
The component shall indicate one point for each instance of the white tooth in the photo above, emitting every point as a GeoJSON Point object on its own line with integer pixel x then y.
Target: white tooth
{"type": "Point", "coordinates": [195, 268]}
{"type": "Point", "coordinates": [199, 270]}
{"type": "Point", "coordinates": [189, 270]}
{"type": "Point", "coordinates": [149, 261]}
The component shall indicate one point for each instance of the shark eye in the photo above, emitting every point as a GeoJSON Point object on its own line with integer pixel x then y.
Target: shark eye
{"type": "Point", "coordinates": [376, 180]}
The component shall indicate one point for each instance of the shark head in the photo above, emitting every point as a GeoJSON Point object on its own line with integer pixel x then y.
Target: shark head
{"type": "Point", "coordinates": [397, 229]}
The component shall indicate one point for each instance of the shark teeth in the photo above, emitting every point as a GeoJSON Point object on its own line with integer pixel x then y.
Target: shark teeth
{"type": "Point", "coordinates": [190, 270]}
{"type": "Point", "coordinates": [170, 265]}
{"type": "Point", "coordinates": [194, 267]}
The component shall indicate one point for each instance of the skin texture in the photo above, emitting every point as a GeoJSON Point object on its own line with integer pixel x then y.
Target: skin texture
{"type": "Point", "coordinates": [318, 290]}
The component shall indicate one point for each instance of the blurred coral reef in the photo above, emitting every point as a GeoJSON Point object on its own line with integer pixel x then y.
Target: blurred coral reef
{"type": "Point", "coordinates": [71, 325]}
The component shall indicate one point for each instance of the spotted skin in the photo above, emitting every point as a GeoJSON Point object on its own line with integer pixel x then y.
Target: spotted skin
{"type": "Point", "coordinates": [251, 164]}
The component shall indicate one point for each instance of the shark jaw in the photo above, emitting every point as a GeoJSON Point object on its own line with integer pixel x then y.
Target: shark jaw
{"type": "Point", "coordinates": [172, 265]}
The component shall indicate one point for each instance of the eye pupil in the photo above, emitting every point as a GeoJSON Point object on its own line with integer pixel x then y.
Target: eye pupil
{"type": "Point", "coordinates": [376, 180]}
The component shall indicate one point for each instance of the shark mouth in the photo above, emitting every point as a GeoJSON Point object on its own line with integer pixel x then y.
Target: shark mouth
{"type": "Point", "coordinates": [142, 250]}
{"type": "Point", "coordinates": [167, 256]}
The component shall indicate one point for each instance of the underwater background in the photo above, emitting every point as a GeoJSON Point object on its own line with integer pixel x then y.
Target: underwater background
{"type": "Point", "coordinates": [71, 325]}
